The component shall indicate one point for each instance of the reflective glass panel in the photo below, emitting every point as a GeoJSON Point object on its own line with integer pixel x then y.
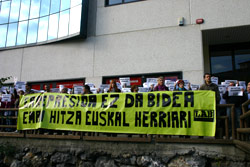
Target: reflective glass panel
{"type": "Point", "coordinates": [22, 31]}
{"type": "Point", "coordinates": [45, 4]}
{"type": "Point", "coordinates": [4, 12]}
{"type": "Point", "coordinates": [75, 19]}
{"type": "Point", "coordinates": [54, 6]}
{"type": "Point", "coordinates": [113, 2]}
{"type": "Point", "coordinates": [14, 12]}
{"type": "Point", "coordinates": [221, 62]}
{"type": "Point", "coordinates": [130, 0]}
{"type": "Point", "coordinates": [11, 37]}
{"type": "Point", "coordinates": [34, 9]}
{"type": "Point", "coordinates": [3, 32]}
{"type": "Point", "coordinates": [25, 7]}
{"type": "Point", "coordinates": [43, 29]}
{"type": "Point", "coordinates": [242, 59]}
{"type": "Point", "coordinates": [75, 3]}
{"type": "Point", "coordinates": [53, 26]}
{"type": "Point", "coordinates": [63, 24]}
{"type": "Point", "coordinates": [32, 31]}
{"type": "Point", "coordinates": [65, 4]}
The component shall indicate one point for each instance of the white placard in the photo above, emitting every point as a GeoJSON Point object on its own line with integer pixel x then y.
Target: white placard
{"type": "Point", "coordinates": [195, 87]}
{"type": "Point", "coordinates": [171, 87]}
{"type": "Point", "coordinates": [91, 85]}
{"type": "Point", "coordinates": [186, 82]}
{"type": "Point", "coordinates": [78, 89]}
{"type": "Point", "coordinates": [93, 90]}
{"type": "Point", "coordinates": [143, 89]}
{"type": "Point", "coordinates": [126, 90]}
{"type": "Point", "coordinates": [125, 81]}
{"type": "Point", "coordinates": [215, 80]}
{"type": "Point", "coordinates": [6, 98]}
{"type": "Point", "coordinates": [11, 90]}
{"type": "Point", "coordinates": [20, 86]}
{"type": "Point", "coordinates": [228, 81]}
{"type": "Point", "coordinates": [55, 90]}
{"type": "Point", "coordinates": [222, 88]}
{"type": "Point", "coordinates": [169, 83]}
{"type": "Point", "coordinates": [235, 91]}
{"type": "Point", "coordinates": [103, 86]}
{"type": "Point", "coordinates": [152, 80]}
{"type": "Point", "coordinates": [243, 84]}
{"type": "Point", "coordinates": [5, 89]}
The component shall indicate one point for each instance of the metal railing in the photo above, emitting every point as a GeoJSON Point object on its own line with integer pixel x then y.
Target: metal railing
{"type": "Point", "coordinates": [224, 138]}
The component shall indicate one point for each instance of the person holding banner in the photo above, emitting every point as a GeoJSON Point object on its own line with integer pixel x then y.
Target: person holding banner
{"type": "Point", "coordinates": [28, 89]}
{"type": "Point", "coordinates": [181, 87]}
{"type": "Point", "coordinates": [208, 85]}
{"type": "Point", "coordinates": [113, 87]}
{"type": "Point", "coordinates": [134, 88]}
{"type": "Point", "coordinates": [160, 85]}
{"type": "Point", "coordinates": [86, 90]}
{"type": "Point", "coordinates": [46, 88]}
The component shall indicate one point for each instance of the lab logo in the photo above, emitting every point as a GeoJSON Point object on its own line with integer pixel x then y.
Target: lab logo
{"type": "Point", "coordinates": [204, 115]}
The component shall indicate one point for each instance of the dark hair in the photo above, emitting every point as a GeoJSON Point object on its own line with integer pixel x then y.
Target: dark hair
{"type": "Point", "coordinates": [115, 86]}
{"type": "Point", "coordinates": [206, 74]}
{"type": "Point", "coordinates": [87, 87]}
{"type": "Point", "coordinates": [133, 87]}
{"type": "Point", "coordinates": [180, 81]}
{"type": "Point", "coordinates": [28, 84]}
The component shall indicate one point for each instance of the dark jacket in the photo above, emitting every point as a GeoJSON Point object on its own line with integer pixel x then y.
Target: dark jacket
{"type": "Point", "coordinates": [212, 87]}
{"type": "Point", "coordinates": [237, 100]}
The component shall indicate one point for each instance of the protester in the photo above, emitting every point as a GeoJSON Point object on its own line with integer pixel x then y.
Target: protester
{"type": "Point", "coordinates": [237, 101]}
{"type": "Point", "coordinates": [28, 89]}
{"type": "Point", "coordinates": [160, 85]}
{"type": "Point", "coordinates": [113, 87]}
{"type": "Point", "coordinates": [181, 87]}
{"type": "Point", "coordinates": [151, 88]}
{"type": "Point", "coordinates": [46, 88]}
{"type": "Point", "coordinates": [64, 90]}
{"type": "Point", "coordinates": [208, 85]}
{"type": "Point", "coordinates": [134, 88]}
{"type": "Point", "coordinates": [86, 90]}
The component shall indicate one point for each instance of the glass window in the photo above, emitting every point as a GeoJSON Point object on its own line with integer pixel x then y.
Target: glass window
{"type": "Point", "coordinates": [63, 24]}
{"type": "Point", "coordinates": [45, 4]}
{"type": "Point", "coordinates": [22, 31]}
{"type": "Point", "coordinates": [14, 13]}
{"type": "Point", "coordinates": [75, 3]}
{"type": "Point", "coordinates": [43, 29]}
{"type": "Point", "coordinates": [3, 32]}
{"type": "Point", "coordinates": [32, 31]}
{"type": "Point", "coordinates": [113, 2]}
{"type": "Point", "coordinates": [54, 6]}
{"type": "Point", "coordinates": [25, 7]}
{"type": "Point", "coordinates": [221, 62]}
{"type": "Point", "coordinates": [65, 4]}
{"type": "Point", "coordinates": [11, 37]}
{"type": "Point", "coordinates": [75, 19]}
{"type": "Point", "coordinates": [53, 26]}
{"type": "Point", "coordinates": [242, 59]}
{"type": "Point", "coordinates": [130, 0]}
{"type": "Point", "coordinates": [4, 12]}
{"type": "Point", "coordinates": [35, 8]}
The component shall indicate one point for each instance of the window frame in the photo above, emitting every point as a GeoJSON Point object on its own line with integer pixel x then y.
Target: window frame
{"type": "Point", "coordinates": [123, 2]}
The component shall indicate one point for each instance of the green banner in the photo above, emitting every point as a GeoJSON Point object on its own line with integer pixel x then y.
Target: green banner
{"type": "Point", "coordinates": [168, 112]}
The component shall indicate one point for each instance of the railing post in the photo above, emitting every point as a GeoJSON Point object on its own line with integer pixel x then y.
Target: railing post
{"type": "Point", "coordinates": [233, 121]}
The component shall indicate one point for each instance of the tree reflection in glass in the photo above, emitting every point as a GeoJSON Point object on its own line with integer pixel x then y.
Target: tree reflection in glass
{"type": "Point", "coordinates": [64, 24]}
{"type": "Point", "coordinates": [53, 26]}
{"type": "Point", "coordinates": [21, 32]}
{"type": "Point", "coordinates": [32, 31]}
{"type": "Point", "coordinates": [34, 9]}
{"type": "Point", "coordinates": [11, 37]}
{"type": "Point", "coordinates": [43, 29]}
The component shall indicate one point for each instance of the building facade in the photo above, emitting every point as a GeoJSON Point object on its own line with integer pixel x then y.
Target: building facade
{"type": "Point", "coordinates": [141, 39]}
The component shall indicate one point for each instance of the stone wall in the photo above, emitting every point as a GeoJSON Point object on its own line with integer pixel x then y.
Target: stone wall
{"type": "Point", "coordinates": [23, 152]}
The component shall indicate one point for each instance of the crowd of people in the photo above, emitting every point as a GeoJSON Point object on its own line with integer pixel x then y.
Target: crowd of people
{"type": "Point", "coordinates": [221, 97]}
